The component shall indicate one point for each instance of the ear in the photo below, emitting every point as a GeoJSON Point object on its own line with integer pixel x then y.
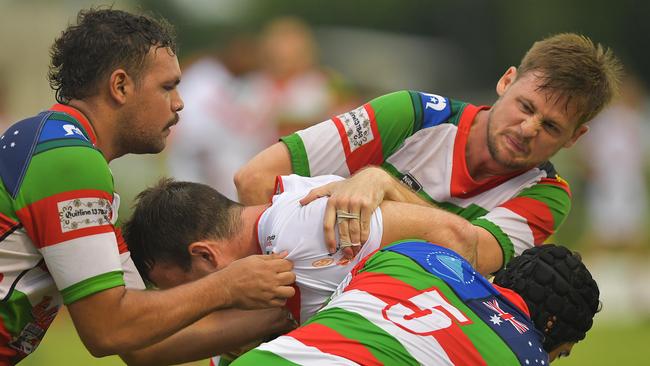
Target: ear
{"type": "Point", "coordinates": [506, 80]}
{"type": "Point", "coordinates": [120, 85]}
{"type": "Point", "coordinates": [204, 256]}
{"type": "Point", "coordinates": [576, 135]}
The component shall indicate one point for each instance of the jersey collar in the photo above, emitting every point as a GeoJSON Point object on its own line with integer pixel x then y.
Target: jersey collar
{"type": "Point", "coordinates": [462, 183]}
{"type": "Point", "coordinates": [76, 114]}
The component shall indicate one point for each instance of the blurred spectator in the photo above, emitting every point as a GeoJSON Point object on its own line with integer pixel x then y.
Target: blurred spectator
{"type": "Point", "coordinates": [230, 117]}
{"type": "Point", "coordinates": [291, 90]}
{"type": "Point", "coordinates": [216, 134]}
{"type": "Point", "coordinates": [614, 156]}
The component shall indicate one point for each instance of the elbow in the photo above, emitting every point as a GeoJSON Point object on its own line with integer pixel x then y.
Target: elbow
{"type": "Point", "coordinates": [249, 183]}
{"type": "Point", "coordinates": [108, 345]}
{"type": "Point", "coordinates": [464, 238]}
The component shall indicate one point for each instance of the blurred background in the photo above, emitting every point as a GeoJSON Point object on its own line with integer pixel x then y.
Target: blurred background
{"type": "Point", "coordinates": [257, 69]}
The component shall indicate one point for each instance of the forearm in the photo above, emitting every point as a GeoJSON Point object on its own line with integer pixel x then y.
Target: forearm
{"type": "Point", "coordinates": [138, 319]}
{"type": "Point", "coordinates": [219, 332]}
{"type": "Point", "coordinates": [407, 220]}
{"type": "Point", "coordinates": [255, 181]}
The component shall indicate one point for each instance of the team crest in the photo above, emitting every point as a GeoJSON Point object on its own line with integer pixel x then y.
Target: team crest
{"type": "Point", "coordinates": [322, 262]}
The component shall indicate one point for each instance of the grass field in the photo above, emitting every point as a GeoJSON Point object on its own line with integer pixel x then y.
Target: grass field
{"type": "Point", "coordinates": [606, 344]}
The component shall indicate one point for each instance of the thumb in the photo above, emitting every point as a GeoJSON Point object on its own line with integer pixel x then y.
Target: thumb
{"type": "Point", "coordinates": [280, 255]}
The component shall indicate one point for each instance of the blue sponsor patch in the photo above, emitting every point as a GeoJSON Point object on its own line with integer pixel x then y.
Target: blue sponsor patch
{"type": "Point", "coordinates": [435, 109]}
{"type": "Point", "coordinates": [55, 129]}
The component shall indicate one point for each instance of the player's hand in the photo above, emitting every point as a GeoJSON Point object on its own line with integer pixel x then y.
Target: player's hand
{"type": "Point", "coordinates": [259, 281]}
{"type": "Point", "coordinates": [353, 200]}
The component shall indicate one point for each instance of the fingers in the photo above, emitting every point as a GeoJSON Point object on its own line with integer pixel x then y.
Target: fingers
{"type": "Point", "coordinates": [329, 222]}
{"type": "Point", "coordinates": [365, 216]}
{"type": "Point", "coordinates": [353, 225]}
{"type": "Point", "coordinates": [317, 193]}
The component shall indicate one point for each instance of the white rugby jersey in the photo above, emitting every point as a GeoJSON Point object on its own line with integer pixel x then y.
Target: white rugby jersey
{"type": "Point", "coordinates": [287, 225]}
{"type": "Point", "coordinates": [421, 139]}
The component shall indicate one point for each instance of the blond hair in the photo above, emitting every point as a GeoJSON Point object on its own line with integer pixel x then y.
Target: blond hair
{"type": "Point", "coordinates": [575, 68]}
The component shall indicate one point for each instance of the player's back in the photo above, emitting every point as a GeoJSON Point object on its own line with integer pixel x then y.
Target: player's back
{"type": "Point", "coordinates": [412, 303]}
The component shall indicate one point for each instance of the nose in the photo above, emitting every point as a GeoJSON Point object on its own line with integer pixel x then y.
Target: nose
{"type": "Point", "coordinates": [530, 126]}
{"type": "Point", "coordinates": [177, 102]}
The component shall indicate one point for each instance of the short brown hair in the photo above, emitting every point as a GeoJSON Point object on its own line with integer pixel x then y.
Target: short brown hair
{"type": "Point", "coordinates": [576, 68]}
{"type": "Point", "coordinates": [171, 215]}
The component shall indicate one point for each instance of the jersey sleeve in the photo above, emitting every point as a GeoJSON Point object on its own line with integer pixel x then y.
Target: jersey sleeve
{"type": "Point", "coordinates": [364, 136]}
{"type": "Point", "coordinates": [67, 206]}
{"type": "Point", "coordinates": [528, 219]}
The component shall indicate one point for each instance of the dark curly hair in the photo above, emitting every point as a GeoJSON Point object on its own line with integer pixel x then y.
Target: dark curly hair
{"type": "Point", "coordinates": [557, 288]}
{"type": "Point", "coordinates": [102, 41]}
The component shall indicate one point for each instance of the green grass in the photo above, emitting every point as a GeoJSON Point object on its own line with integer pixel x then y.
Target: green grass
{"type": "Point", "coordinates": [612, 345]}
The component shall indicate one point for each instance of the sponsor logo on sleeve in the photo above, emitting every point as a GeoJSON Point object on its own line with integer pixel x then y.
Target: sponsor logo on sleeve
{"type": "Point", "coordinates": [436, 109]}
{"type": "Point", "coordinates": [81, 213]}
{"type": "Point", "coordinates": [410, 181]}
{"type": "Point", "coordinates": [357, 127]}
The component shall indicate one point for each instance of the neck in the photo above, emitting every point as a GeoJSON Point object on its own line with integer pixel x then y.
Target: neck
{"type": "Point", "coordinates": [101, 121]}
{"type": "Point", "coordinates": [246, 238]}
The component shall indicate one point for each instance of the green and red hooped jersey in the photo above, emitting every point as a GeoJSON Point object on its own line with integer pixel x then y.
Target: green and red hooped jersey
{"type": "Point", "coordinates": [411, 303]}
{"type": "Point", "coordinates": [420, 138]}
{"type": "Point", "coordinates": [58, 225]}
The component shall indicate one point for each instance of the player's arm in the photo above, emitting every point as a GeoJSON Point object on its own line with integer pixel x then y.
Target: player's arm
{"type": "Point", "coordinates": [117, 320]}
{"type": "Point", "coordinates": [255, 180]}
{"type": "Point", "coordinates": [219, 332]}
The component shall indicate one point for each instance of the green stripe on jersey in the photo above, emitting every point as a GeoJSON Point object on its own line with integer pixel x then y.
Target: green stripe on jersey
{"type": "Point", "coordinates": [351, 325]}
{"type": "Point", "coordinates": [52, 144]}
{"type": "Point", "coordinates": [6, 206]}
{"type": "Point", "coordinates": [417, 110]}
{"type": "Point", "coordinates": [64, 170]}
{"type": "Point", "coordinates": [92, 285]}
{"type": "Point", "coordinates": [470, 212]}
{"type": "Point", "coordinates": [395, 118]}
{"type": "Point", "coordinates": [298, 154]}
{"type": "Point", "coordinates": [556, 198]}
{"type": "Point", "coordinates": [457, 109]}
{"type": "Point", "coordinates": [16, 312]}
{"type": "Point", "coordinates": [507, 247]}
{"type": "Point", "coordinates": [258, 357]}
{"type": "Point", "coordinates": [491, 347]}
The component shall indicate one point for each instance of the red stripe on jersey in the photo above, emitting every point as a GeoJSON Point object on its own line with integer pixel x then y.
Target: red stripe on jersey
{"type": "Point", "coordinates": [327, 340]}
{"type": "Point", "coordinates": [294, 303]}
{"type": "Point", "coordinates": [462, 183]}
{"type": "Point", "coordinates": [278, 186]}
{"type": "Point", "coordinates": [122, 245]}
{"type": "Point", "coordinates": [514, 298]}
{"type": "Point", "coordinates": [457, 345]}
{"type": "Point", "coordinates": [369, 153]}
{"type": "Point", "coordinates": [6, 224]}
{"type": "Point", "coordinates": [537, 214]}
{"type": "Point", "coordinates": [557, 183]}
{"type": "Point", "coordinates": [43, 224]}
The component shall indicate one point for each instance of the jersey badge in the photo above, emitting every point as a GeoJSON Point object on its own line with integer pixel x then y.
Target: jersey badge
{"type": "Point", "coordinates": [411, 182]}
{"type": "Point", "coordinates": [268, 244]}
{"type": "Point", "coordinates": [357, 126]}
{"type": "Point", "coordinates": [436, 109]}
{"type": "Point", "coordinates": [322, 262]}
{"type": "Point", "coordinates": [81, 213]}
